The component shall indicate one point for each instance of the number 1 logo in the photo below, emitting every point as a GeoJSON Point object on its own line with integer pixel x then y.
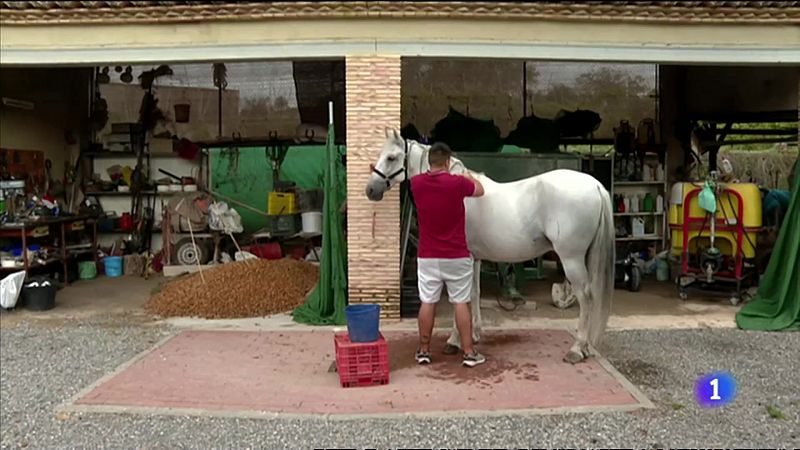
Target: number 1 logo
{"type": "Point", "coordinates": [715, 389]}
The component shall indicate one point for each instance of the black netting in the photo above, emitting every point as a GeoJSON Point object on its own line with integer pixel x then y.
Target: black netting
{"type": "Point", "coordinates": [317, 83]}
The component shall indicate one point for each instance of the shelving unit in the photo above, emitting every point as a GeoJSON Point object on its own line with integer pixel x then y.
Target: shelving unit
{"type": "Point", "coordinates": [655, 227]}
{"type": "Point", "coordinates": [54, 234]}
{"type": "Point", "coordinates": [151, 160]}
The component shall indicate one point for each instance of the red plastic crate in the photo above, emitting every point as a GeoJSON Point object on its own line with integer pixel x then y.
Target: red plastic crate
{"type": "Point", "coordinates": [361, 364]}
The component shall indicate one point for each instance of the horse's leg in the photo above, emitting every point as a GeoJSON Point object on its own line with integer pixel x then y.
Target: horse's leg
{"type": "Point", "coordinates": [454, 341]}
{"type": "Point", "coordinates": [475, 296]}
{"type": "Point", "coordinates": [562, 295]}
{"type": "Point", "coordinates": [578, 276]}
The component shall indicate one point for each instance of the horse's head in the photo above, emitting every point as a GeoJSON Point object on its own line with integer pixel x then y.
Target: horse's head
{"type": "Point", "coordinates": [390, 168]}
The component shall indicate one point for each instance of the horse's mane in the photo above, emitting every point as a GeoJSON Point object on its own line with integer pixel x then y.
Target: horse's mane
{"type": "Point", "coordinates": [454, 164]}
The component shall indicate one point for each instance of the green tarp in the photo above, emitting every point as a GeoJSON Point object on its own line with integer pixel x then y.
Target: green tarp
{"type": "Point", "coordinates": [246, 176]}
{"type": "Point", "coordinates": [776, 306]}
{"type": "Point", "coordinates": [325, 305]}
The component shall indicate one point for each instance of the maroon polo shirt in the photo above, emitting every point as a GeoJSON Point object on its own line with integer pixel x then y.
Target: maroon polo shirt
{"type": "Point", "coordinates": [439, 198]}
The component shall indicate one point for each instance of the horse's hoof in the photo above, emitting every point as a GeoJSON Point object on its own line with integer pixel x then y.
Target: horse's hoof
{"type": "Point", "coordinates": [450, 349]}
{"type": "Point", "coordinates": [574, 357]}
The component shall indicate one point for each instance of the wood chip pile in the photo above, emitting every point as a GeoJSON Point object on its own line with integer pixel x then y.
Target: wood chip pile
{"type": "Point", "coordinates": [252, 288]}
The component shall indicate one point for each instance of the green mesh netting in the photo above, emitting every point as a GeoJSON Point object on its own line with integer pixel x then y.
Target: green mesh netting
{"type": "Point", "coordinates": [325, 305]}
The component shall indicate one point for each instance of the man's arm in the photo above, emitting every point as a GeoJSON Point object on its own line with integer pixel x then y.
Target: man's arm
{"type": "Point", "coordinates": [478, 191]}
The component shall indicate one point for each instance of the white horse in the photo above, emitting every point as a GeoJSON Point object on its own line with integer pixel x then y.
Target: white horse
{"type": "Point", "coordinates": [565, 211]}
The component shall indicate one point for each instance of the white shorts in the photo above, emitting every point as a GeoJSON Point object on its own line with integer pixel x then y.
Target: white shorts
{"type": "Point", "coordinates": [432, 273]}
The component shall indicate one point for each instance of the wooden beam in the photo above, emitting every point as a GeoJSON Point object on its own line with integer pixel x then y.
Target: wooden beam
{"type": "Point", "coordinates": [764, 132]}
{"type": "Point", "coordinates": [747, 117]}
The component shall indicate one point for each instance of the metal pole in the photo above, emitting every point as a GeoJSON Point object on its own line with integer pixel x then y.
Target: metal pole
{"type": "Point", "coordinates": [219, 110]}
{"type": "Point", "coordinates": [524, 88]}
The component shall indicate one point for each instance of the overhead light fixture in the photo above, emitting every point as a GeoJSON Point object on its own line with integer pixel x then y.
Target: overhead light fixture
{"type": "Point", "coordinates": [14, 103]}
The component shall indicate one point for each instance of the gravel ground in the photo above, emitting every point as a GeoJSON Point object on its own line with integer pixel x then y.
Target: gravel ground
{"type": "Point", "coordinates": [43, 364]}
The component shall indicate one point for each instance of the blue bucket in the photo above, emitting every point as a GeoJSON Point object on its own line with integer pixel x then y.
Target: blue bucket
{"type": "Point", "coordinates": [363, 322]}
{"type": "Point", "coordinates": [113, 265]}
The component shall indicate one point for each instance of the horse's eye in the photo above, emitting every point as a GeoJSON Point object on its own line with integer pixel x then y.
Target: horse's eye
{"type": "Point", "coordinates": [391, 158]}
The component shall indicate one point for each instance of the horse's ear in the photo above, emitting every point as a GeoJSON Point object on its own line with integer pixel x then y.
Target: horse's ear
{"type": "Point", "coordinates": [387, 132]}
{"type": "Point", "coordinates": [397, 136]}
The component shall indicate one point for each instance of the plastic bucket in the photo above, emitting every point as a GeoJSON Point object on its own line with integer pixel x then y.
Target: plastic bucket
{"type": "Point", "coordinates": [662, 269]}
{"type": "Point", "coordinates": [39, 294]}
{"type": "Point", "coordinates": [113, 265]}
{"type": "Point", "coordinates": [312, 222]}
{"type": "Point", "coordinates": [87, 270]}
{"type": "Point", "coordinates": [363, 322]}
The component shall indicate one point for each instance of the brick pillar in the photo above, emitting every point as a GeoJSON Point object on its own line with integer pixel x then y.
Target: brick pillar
{"type": "Point", "coordinates": [373, 228]}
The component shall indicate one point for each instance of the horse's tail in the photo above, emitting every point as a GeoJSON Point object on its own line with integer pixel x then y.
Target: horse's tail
{"type": "Point", "coordinates": [600, 264]}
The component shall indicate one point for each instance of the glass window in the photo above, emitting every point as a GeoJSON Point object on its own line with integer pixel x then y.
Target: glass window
{"type": "Point", "coordinates": [614, 91]}
{"type": "Point", "coordinates": [501, 90]}
{"type": "Point", "coordinates": [258, 98]}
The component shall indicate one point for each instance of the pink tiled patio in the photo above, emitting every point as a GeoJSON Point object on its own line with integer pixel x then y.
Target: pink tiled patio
{"type": "Point", "coordinates": [289, 372]}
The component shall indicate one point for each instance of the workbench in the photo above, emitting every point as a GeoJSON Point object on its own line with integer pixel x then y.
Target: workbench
{"type": "Point", "coordinates": [28, 231]}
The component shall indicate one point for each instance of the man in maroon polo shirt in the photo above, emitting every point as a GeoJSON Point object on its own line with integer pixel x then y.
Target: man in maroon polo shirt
{"type": "Point", "coordinates": [443, 258]}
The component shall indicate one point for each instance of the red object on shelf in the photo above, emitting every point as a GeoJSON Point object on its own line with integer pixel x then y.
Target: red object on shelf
{"type": "Point", "coordinates": [361, 364]}
{"type": "Point", "coordinates": [270, 250]}
{"type": "Point", "coordinates": [126, 222]}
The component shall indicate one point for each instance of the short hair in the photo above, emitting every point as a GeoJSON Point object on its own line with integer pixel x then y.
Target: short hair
{"type": "Point", "coordinates": [439, 154]}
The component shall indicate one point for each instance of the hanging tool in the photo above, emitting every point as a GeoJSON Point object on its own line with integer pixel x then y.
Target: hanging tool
{"type": "Point", "coordinates": [711, 260]}
{"type": "Point", "coordinates": [182, 180]}
{"type": "Point", "coordinates": [276, 152]}
{"type": "Point", "coordinates": [624, 143]}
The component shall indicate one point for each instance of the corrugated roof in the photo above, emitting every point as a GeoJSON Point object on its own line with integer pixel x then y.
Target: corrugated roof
{"type": "Point", "coordinates": [84, 12]}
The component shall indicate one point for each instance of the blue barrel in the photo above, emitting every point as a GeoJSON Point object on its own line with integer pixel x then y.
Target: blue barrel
{"type": "Point", "coordinates": [113, 265]}
{"type": "Point", "coordinates": [363, 322]}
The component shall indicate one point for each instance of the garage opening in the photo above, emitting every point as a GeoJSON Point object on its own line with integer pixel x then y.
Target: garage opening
{"type": "Point", "coordinates": [142, 153]}
{"type": "Point", "coordinates": [645, 131]}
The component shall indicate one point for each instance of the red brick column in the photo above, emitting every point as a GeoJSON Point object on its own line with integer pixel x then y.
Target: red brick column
{"type": "Point", "coordinates": [373, 228]}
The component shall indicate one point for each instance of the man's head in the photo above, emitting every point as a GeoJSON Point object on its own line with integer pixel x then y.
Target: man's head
{"type": "Point", "coordinates": [439, 156]}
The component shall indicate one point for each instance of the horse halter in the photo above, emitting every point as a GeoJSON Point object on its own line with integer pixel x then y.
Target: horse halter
{"type": "Point", "coordinates": [388, 178]}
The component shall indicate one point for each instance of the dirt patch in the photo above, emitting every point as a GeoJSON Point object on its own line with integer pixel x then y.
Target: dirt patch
{"type": "Point", "coordinates": [448, 367]}
{"type": "Point", "coordinates": [641, 372]}
{"type": "Point", "coordinates": [253, 288]}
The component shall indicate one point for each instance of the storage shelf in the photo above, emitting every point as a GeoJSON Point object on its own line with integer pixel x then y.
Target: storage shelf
{"type": "Point", "coordinates": [634, 214]}
{"type": "Point", "coordinates": [31, 265]}
{"type": "Point", "coordinates": [128, 194]}
{"type": "Point", "coordinates": [647, 237]}
{"type": "Point", "coordinates": [109, 155]}
{"type": "Point", "coordinates": [638, 183]}
{"type": "Point", "coordinates": [116, 193]}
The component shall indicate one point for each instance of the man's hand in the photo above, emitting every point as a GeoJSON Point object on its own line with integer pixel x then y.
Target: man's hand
{"type": "Point", "coordinates": [478, 186]}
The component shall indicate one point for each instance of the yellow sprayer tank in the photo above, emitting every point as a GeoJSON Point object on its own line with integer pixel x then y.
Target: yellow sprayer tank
{"type": "Point", "coordinates": [727, 212]}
